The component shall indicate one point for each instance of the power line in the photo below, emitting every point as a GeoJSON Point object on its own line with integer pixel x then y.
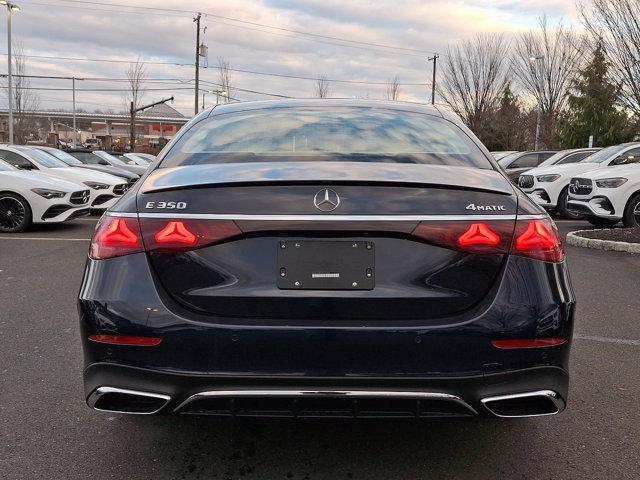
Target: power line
{"type": "Point", "coordinates": [346, 42]}
{"type": "Point", "coordinates": [239, 70]}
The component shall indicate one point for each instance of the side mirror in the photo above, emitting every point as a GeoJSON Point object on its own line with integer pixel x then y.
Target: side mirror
{"type": "Point", "coordinates": [104, 162]}
{"type": "Point", "coordinates": [25, 166]}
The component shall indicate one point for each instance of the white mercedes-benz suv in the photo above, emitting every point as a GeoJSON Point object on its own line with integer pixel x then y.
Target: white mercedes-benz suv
{"type": "Point", "coordinates": [608, 195]}
{"type": "Point", "coordinates": [549, 186]}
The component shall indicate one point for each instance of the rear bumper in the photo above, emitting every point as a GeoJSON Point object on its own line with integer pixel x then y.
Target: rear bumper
{"type": "Point", "coordinates": [451, 356]}
{"type": "Point", "coordinates": [222, 395]}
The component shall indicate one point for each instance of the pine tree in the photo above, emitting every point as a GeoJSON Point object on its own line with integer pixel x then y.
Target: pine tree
{"type": "Point", "coordinates": [594, 108]}
{"type": "Point", "coordinates": [505, 127]}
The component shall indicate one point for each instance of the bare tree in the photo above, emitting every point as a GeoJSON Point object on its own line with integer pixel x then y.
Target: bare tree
{"type": "Point", "coordinates": [322, 86]}
{"type": "Point", "coordinates": [545, 64]}
{"type": "Point", "coordinates": [136, 75]}
{"type": "Point", "coordinates": [474, 75]}
{"type": "Point", "coordinates": [224, 77]}
{"type": "Point", "coordinates": [615, 23]}
{"type": "Point", "coordinates": [24, 99]}
{"type": "Point", "coordinates": [393, 88]}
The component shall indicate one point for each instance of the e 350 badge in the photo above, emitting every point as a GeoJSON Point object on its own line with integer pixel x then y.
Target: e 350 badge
{"type": "Point", "coordinates": [167, 205]}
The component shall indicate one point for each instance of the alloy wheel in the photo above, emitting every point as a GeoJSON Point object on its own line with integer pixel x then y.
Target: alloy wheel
{"type": "Point", "coordinates": [12, 214]}
{"type": "Point", "coordinates": [636, 213]}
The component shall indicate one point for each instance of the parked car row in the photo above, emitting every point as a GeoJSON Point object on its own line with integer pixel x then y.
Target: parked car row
{"type": "Point", "coordinates": [603, 187]}
{"type": "Point", "coordinates": [47, 185]}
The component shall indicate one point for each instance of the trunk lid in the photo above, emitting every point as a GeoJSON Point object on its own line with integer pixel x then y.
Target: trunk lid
{"type": "Point", "coordinates": [411, 216]}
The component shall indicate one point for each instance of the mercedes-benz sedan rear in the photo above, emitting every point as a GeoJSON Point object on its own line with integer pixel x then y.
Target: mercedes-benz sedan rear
{"type": "Point", "coordinates": [326, 258]}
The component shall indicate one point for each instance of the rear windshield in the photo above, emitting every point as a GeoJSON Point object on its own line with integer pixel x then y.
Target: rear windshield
{"type": "Point", "coordinates": [323, 134]}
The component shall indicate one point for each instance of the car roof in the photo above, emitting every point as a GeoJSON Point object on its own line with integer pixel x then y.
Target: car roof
{"type": "Point", "coordinates": [326, 102]}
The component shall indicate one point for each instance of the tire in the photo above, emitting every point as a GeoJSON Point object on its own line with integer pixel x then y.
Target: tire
{"type": "Point", "coordinates": [631, 217]}
{"type": "Point", "coordinates": [601, 222]}
{"type": "Point", "coordinates": [15, 213]}
{"type": "Point", "coordinates": [562, 206]}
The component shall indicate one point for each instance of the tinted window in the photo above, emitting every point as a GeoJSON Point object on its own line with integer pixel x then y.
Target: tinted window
{"type": "Point", "coordinates": [528, 160]}
{"type": "Point", "coordinates": [323, 134]}
{"type": "Point", "coordinates": [574, 157]}
{"type": "Point", "coordinates": [110, 158]}
{"type": "Point", "coordinates": [88, 157]}
{"type": "Point", "coordinates": [16, 160]}
{"type": "Point", "coordinates": [604, 154]}
{"type": "Point", "coordinates": [630, 156]}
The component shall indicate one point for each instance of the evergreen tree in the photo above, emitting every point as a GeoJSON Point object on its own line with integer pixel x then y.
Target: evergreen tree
{"type": "Point", "coordinates": [505, 129]}
{"type": "Point", "coordinates": [594, 108]}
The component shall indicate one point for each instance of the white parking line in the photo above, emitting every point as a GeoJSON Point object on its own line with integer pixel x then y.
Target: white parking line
{"type": "Point", "coordinates": [55, 239]}
{"type": "Point", "coordinates": [596, 338]}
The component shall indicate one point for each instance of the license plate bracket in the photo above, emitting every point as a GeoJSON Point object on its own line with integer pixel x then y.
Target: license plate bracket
{"type": "Point", "coordinates": [326, 265]}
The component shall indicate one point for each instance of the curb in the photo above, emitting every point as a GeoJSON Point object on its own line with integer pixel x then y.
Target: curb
{"type": "Point", "coordinates": [574, 238]}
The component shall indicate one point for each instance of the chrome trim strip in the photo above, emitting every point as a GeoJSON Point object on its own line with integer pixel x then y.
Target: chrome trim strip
{"type": "Point", "coordinates": [328, 393]}
{"type": "Point", "coordinates": [328, 218]}
{"type": "Point", "coordinates": [101, 391]}
{"type": "Point", "coordinates": [121, 214]}
{"type": "Point", "coordinates": [549, 394]}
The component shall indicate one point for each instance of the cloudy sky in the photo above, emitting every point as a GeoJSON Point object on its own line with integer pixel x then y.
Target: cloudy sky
{"type": "Point", "coordinates": [277, 38]}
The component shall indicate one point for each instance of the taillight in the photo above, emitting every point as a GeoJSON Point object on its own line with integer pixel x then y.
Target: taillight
{"type": "Point", "coordinates": [471, 237]}
{"type": "Point", "coordinates": [166, 235]}
{"type": "Point", "coordinates": [538, 239]}
{"type": "Point", "coordinates": [534, 238]}
{"type": "Point", "coordinates": [115, 236]}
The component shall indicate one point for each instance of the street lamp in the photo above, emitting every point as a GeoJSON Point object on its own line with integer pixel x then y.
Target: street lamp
{"type": "Point", "coordinates": [537, 59]}
{"type": "Point", "coordinates": [217, 92]}
{"type": "Point", "coordinates": [11, 7]}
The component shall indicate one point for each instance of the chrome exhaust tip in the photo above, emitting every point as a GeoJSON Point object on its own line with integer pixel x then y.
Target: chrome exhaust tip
{"type": "Point", "coordinates": [120, 400]}
{"type": "Point", "coordinates": [527, 404]}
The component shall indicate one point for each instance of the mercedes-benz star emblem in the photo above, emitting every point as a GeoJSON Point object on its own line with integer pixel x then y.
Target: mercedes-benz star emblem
{"type": "Point", "coordinates": [326, 200]}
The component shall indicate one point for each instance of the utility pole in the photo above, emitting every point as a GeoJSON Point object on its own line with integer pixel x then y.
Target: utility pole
{"type": "Point", "coordinates": [132, 113]}
{"type": "Point", "coordinates": [197, 20]}
{"type": "Point", "coordinates": [75, 132]}
{"type": "Point", "coordinates": [11, 7]}
{"type": "Point", "coordinates": [433, 59]}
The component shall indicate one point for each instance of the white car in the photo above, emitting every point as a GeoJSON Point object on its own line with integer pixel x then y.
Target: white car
{"type": "Point", "coordinates": [105, 190]}
{"type": "Point", "coordinates": [31, 197]}
{"type": "Point", "coordinates": [549, 186]}
{"type": "Point", "coordinates": [608, 195]}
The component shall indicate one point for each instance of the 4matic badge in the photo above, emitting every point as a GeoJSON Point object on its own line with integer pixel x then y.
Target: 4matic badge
{"type": "Point", "coordinates": [493, 208]}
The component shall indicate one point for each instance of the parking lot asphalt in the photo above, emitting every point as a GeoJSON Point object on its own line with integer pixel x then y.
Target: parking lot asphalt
{"type": "Point", "coordinates": [47, 431]}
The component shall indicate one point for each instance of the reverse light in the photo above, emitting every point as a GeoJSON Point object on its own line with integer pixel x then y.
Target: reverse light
{"type": "Point", "coordinates": [126, 340]}
{"type": "Point", "coordinates": [175, 232]}
{"type": "Point", "coordinates": [48, 193]}
{"type": "Point", "coordinates": [611, 182]}
{"type": "Point", "coordinates": [479, 234]}
{"type": "Point", "coordinates": [114, 237]}
{"type": "Point", "coordinates": [548, 178]}
{"type": "Point", "coordinates": [527, 343]}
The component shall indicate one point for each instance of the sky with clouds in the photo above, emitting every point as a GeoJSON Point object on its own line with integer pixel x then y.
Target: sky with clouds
{"type": "Point", "coordinates": [274, 36]}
